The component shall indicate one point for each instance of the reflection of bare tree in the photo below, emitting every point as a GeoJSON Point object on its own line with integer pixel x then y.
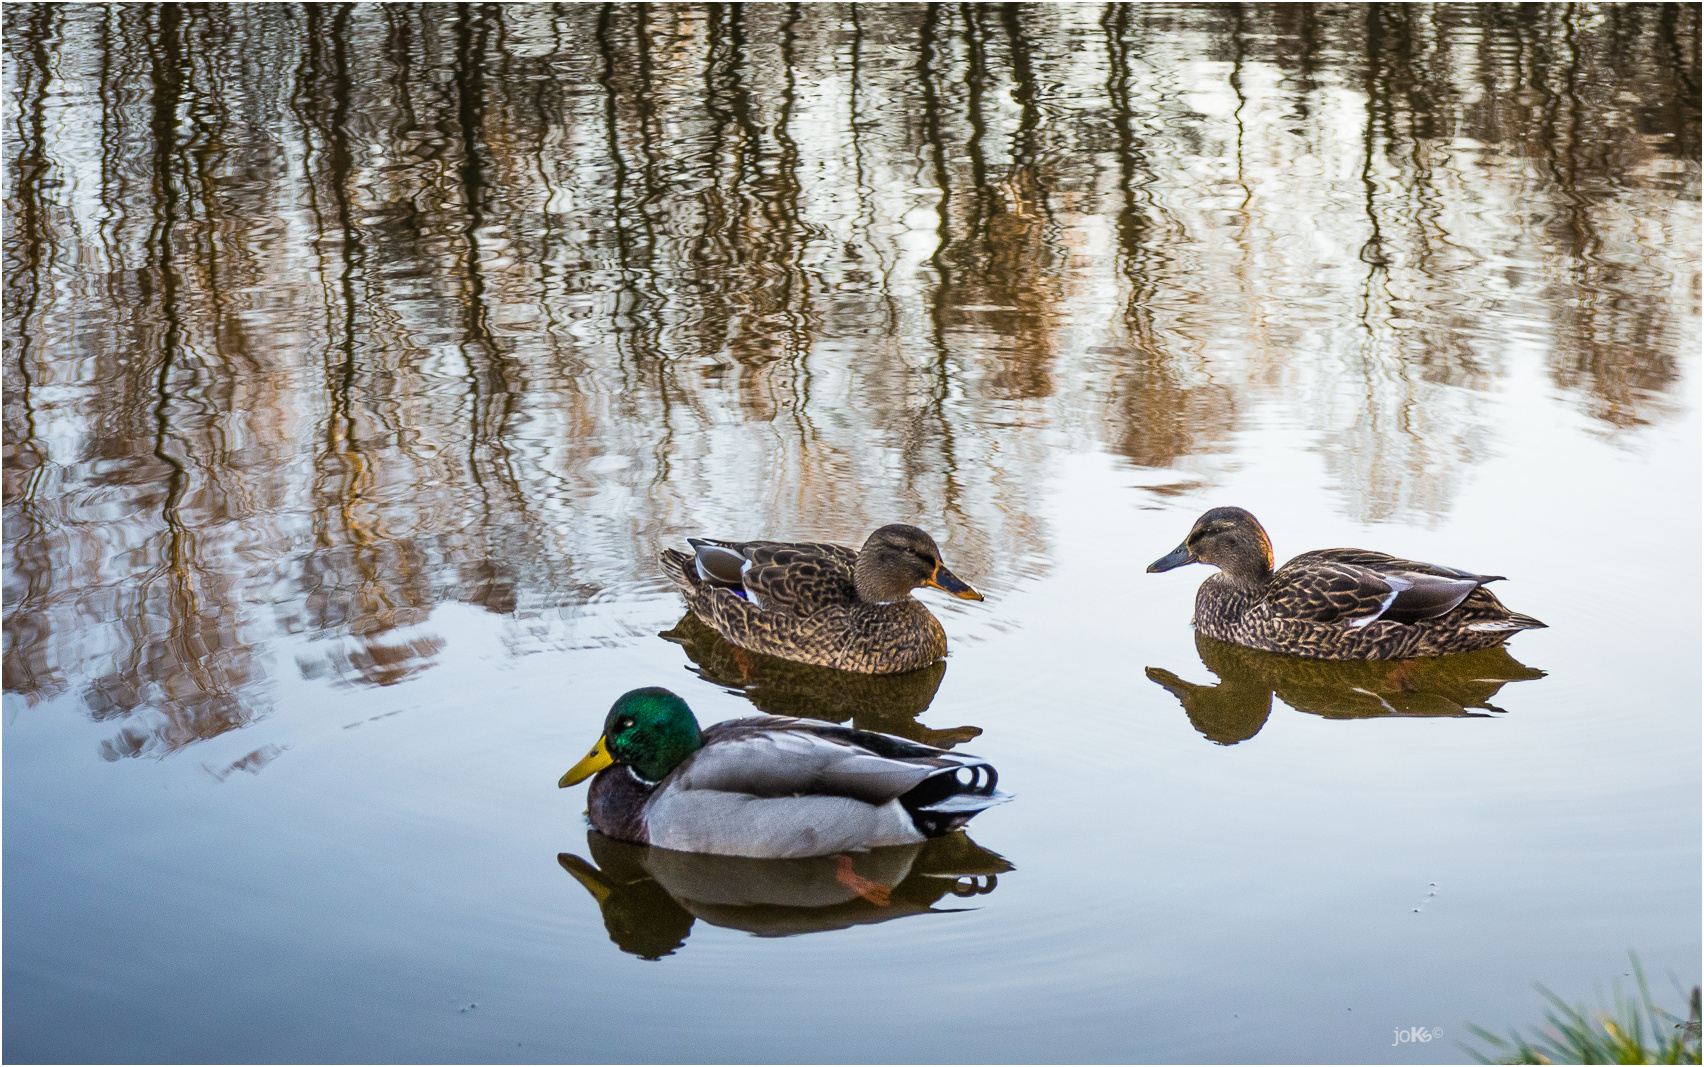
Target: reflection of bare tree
{"type": "Point", "coordinates": [317, 317]}
{"type": "Point", "coordinates": [29, 570]}
{"type": "Point", "coordinates": [180, 655]}
{"type": "Point", "coordinates": [1619, 354]}
{"type": "Point", "coordinates": [1153, 417]}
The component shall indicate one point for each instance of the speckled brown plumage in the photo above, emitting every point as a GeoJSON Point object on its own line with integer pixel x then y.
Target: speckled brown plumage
{"type": "Point", "coordinates": [885, 703]}
{"type": "Point", "coordinates": [1336, 603]}
{"type": "Point", "coordinates": [819, 603]}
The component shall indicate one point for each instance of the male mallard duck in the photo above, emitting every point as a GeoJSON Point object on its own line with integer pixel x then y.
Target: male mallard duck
{"type": "Point", "coordinates": [822, 604]}
{"type": "Point", "coordinates": [768, 786]}
{"type": "Point", "coordinates": [1337, 603]}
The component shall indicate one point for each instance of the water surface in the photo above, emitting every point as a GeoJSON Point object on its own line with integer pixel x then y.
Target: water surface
{"type": "Point", "coordinates": [359, 359]}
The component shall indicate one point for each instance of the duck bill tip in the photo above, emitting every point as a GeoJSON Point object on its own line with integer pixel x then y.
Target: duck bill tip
{"type": "Point", "coordinates": [596, 760]}
{"type": "Point", "coordinates": [1176, 558]}
{"type": "Point", "coordinates": [948, 582]}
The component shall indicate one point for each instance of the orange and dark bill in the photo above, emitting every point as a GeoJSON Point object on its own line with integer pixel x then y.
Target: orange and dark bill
{"type": "Point", "coordinates": [1177, 558]}
{"type": "Point", "coordinates": [948, 581]}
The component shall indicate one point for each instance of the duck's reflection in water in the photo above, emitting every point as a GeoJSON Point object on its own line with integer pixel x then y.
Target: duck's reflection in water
{"type": "Point", "coordinates": [651, 896]}
{"type": "Point", "coordinates": [1236, 708]}
{"type": "Point", "coordinates": [886, 703]}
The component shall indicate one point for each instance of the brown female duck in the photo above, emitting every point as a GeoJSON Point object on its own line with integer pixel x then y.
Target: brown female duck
{"type": "Point", "coordinates": [1336, 603]}
{"type": "Point", "coordinates": [822, 604]}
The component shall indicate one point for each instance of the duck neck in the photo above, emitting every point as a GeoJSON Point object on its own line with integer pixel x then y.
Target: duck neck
{"type": "Point", "coordinates": [876, 585]}
{"type": "Point", "coordinates": [654, 763]}
{"type": "Point", "coordinates": [1248, 566]}
{"type": "Point", "coordinates": [1225, 596]}
{"type": "Point", "coordinates": [1252, 575]}
{"type": "Point", "coordinates": [1222, 601]}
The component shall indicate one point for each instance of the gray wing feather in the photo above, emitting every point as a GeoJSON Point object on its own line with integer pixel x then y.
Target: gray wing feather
{"type": "Point", "coordinates": [722, 566]}
{"type": "Point", "coordinates": [1426, 596]}
{"type": "Point", "coordinates": [778, 763]}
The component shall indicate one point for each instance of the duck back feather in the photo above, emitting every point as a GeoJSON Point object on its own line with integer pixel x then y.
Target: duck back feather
{"type": "Point", "coordinates": [798, 602]}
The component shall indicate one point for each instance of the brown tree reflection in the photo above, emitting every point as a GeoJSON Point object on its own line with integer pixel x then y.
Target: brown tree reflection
{"type": "Point", "coordinates": [318, 316]}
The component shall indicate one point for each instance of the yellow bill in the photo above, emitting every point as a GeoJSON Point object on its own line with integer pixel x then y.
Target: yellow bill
{"type": "Point", "coordinates": [596, 760]}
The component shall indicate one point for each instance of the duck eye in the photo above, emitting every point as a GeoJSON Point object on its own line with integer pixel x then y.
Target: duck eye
{"type": "Point", "coordinates": [624, 724]}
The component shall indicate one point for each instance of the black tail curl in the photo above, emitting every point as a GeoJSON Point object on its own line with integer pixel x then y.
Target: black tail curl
{"type": "Point", "coordinates": [951, 797]}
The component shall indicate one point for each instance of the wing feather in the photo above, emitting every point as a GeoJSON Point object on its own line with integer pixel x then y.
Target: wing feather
{"type": "Point", "coordinates": [1358, 587]}
{"type": "Point", "coordinates": [777, 763]}
{"type": "Point", "coordinates": [798, 578]}
{"type": "Point", "coordinates": [1328, 590]}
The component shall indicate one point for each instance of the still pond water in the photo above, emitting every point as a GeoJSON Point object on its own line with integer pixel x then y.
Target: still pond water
{"type": "Point", "coordinates": [359, 360]}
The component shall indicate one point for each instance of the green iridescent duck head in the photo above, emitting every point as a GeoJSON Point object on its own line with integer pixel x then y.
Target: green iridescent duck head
{"type": "Point", "coordinates": [897, 559]}
{"type": "Point", "coordinates": [649, 730]}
